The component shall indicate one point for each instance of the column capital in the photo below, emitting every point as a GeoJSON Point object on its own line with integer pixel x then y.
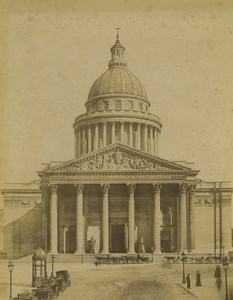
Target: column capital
{"type": "Point", "coordinates": [105, 188]}
{"type": "Point", "coordinates": [192, 187]}
{"type": "Point", "coordinates": [79, 188]}
{"type": "Point", "coordinates": [183, 187]}
{"type": "Point", "coordinates": [157, 187]}
{"type": "Point", "coordinates": [131, 187]}
{"type": "Point", "coordinates": [53, 188]}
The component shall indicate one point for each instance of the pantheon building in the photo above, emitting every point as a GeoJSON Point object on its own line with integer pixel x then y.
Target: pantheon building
{"type": "Point", "coordinates": [117, 188]}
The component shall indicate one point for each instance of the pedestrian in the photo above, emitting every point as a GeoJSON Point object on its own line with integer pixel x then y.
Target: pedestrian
{"type": "Point", "coordinates": [217, 275]}
{"type": "Point", "coordinates": [198, 279]}
{"type": "Point", "coordinates": [188, 281]}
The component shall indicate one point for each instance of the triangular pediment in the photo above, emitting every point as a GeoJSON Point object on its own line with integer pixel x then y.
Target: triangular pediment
{"type": "Point", "coordinates": [118, 157]}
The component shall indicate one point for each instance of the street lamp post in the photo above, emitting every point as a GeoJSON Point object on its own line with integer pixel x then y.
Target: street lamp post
{"type": "Point", "coordinates": [183, 259]}
{"type": "Point", "coordinates": [152, 254]}
{"type": "Point", "coordinates": [10, 266]}
{"type": "Point", "coordinates": [53, 258]}
{"type": "Point", "coordinates": [225, 267]}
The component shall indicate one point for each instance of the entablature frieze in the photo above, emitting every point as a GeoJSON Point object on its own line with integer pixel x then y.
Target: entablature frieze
{"type": "Point", "coordinates": [123, 116]}
{"type": "Point", "coordinates": [111, 178]}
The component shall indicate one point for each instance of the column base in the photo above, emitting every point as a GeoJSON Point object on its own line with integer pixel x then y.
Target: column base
{"type": "Point", "coordinates": [183, 250]}
{"type": "Point", "coordinates": [79, 251]}
{"type": "Point", "coordinates": [131, 252]}
{"type": "Point", "coordinates": [52, 252]}
{"type": "Point", "coordinates": [157, 252]}
{"type": "Point", "coordinates": [104, 251]}
{"type": "Point", "coordinates": [191, 251]}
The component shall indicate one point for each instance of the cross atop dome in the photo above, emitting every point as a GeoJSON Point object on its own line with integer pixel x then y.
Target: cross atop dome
{"type": "Point", "coordinates": [117, 51]}
{"type": "Point", "coordinates": [117, 29]}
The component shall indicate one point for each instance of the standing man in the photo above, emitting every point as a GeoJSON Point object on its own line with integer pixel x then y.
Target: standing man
{"type": "Point", "coordinates": [188, 281]}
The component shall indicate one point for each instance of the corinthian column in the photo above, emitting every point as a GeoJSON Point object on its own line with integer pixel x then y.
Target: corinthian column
{"type": "Point", "coordinates": [131, 188]}
{"type": "Point", "coordinates": [151, 140]}
{"type": "Point", "coordinates": [145, 138]}
{"type": "Point", "coordinates": [122, 132]}
{"type": "Point", "coordinates": [96, 137]}
{"type": "Point", "coordinates": [104, 135]}
{"type": "Point", "coordinates": [84, 140]}
{"type": "Point", "coordinates": [183, 217]}
{"type": "Point", "coordinates": [156, 218]}
{"type": "Point", "coordinates": [155, 146]}
{"type": "Point", "coordinates": [79, 218]}
{"type": "Point", "coordinates": [139, 137]}
{"type": "Point", "coordinates": [76, 144]}
{"type": "Point", "coordinates": [53, 218]}
{"type": "Point", "coordinates": [130, 134]}
{"type": "Point", "coordinates": [113, 133]}
{"type": "Point", "coordinates": [89, 139]}
{"type": "Point", "coordinates": [79, 142]}
{"type": "Point", "coordinates": [192, 217]}
{"type": "Point", "coordinates": [105, 230]}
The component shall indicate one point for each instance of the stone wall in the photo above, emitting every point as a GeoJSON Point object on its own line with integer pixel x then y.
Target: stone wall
{"type": "Point", "coordinates": [204, 222]}
{"type": "Point", "coordinates": [22, 236]}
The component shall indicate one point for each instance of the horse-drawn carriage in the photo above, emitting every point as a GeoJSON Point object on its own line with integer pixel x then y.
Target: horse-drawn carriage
{"type": "Point", "coordinates": [123, 259]}
{"type": "Point", "coordinates": [43, 293]}
{"type": "Point", "coordinates": [53, 286]}
{"type": "Point", "coordinates": [63, 279]}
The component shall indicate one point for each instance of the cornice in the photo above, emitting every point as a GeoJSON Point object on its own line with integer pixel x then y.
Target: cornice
{"type": "Point", "coordinates": [20, 191]}
{"type": "Point", "coordinates": [121, 95]}
{"type": "Point", "coordinates": [101, 117]}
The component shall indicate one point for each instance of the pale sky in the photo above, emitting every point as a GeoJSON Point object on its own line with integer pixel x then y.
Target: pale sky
{"type": "Point", "coordinates": [53, 53]}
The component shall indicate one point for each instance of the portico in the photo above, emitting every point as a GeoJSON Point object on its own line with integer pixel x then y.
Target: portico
{"type": "Point", "coordinates": [146, 199]}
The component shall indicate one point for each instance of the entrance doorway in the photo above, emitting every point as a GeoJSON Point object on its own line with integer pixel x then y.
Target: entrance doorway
{"type": "Point", "coordinates": [166, 240]}
{"type": "Point", "coordinates": [70, 241]}
{"type": "Point", "coordinates": [118, 238]}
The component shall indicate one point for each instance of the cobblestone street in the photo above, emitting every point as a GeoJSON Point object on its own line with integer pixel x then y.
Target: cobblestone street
{"type": "Point", "coordinates": [139, 281]}
{"type": "Point", "coordinates": [124, 282]}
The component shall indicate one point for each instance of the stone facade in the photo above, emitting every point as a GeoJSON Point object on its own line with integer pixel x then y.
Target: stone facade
{"type": "Point", "coordinates": [117, 190]}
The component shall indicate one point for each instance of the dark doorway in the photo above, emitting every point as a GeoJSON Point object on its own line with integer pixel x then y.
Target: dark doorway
{"type": "Point", "coordinates": [118, 238]}
{"type": "Point", "coordinates": [70, 241]}
{"type": "Point", "coordinates": [166, 239]}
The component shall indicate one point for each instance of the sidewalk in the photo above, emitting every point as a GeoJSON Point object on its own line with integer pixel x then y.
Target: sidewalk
{"type": "Point", "coordinates": [208, 289]}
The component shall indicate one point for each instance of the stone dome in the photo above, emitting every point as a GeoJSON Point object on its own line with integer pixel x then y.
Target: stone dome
{"type": "Point", "coordinates": [115, 81]}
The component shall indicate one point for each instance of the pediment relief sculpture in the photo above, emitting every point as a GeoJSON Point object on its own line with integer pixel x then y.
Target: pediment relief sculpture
{"type": "Point", "coordinates": [115, 160]}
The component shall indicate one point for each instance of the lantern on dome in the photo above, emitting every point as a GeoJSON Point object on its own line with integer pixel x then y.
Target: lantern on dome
{"type": "Point", "coordinates": [39, 273]}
